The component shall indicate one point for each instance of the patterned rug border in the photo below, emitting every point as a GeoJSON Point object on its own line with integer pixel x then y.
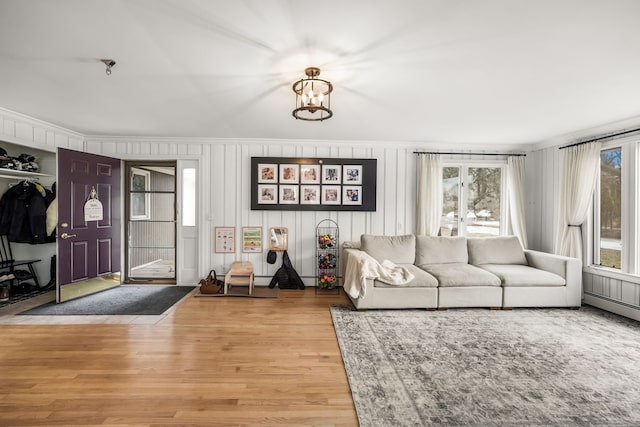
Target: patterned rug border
{"type": "Point", "coordinates": [383, 392]}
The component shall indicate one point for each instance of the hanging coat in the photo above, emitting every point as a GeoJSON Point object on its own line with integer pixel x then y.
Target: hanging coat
{"type": "Point", "coordinates": [286, 277]}
{"type": "Point", "coordinates": [23, 212]}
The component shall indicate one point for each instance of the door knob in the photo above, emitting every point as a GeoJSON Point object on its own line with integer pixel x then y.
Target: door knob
{"type": "Point", "coordinates": [66, 236]}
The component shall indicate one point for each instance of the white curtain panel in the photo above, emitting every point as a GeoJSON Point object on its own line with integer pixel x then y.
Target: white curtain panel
{"type": "Point", "coordinates": [515, 183]}
{"type": "Point", "coordinates": [429, 200]}
{"type": "Point", "coordinates": [580, 170]}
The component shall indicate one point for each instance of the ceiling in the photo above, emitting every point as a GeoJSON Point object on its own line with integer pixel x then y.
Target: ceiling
{"type": "Point", "coordinates": [412, 71]}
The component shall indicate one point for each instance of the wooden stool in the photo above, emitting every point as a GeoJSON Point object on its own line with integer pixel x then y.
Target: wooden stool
{"type": "Point", "coordinates": [241, 273]}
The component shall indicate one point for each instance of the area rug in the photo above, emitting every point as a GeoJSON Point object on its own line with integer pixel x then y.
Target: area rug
{"type": "Point", "coordinates": [122, 300]}
{"type": "Point", "coordinates": [526, 367]}
{"type": "Point", "coordinates": [243, 291]}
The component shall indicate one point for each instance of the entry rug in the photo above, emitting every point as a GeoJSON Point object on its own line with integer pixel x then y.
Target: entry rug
{"type": "Point", "coordinates": [122, 300]}
{"type": "Point", "coordinates": [469, 367]}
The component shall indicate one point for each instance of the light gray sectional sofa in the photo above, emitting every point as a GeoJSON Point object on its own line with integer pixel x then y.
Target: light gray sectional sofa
{"type": "Point", "coordinates": [462, 272]}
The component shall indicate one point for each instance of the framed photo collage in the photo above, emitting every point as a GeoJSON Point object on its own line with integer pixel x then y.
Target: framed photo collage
{"type": "Point", "coordinates": [291, 183]}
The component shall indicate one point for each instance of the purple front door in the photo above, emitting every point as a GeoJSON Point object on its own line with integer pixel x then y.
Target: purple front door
{"type": "Point", "coordinates": [88, 250]}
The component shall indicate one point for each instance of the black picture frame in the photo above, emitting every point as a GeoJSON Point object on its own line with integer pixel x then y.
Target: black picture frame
{"type": "Point", "coordinates": [367, 202]}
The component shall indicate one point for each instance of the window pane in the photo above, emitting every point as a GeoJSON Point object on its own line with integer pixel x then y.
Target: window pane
{"type": "Point", "coordinates": [483, 202]}
{"type": "Point", "coordinates": [450, 188]}
{"type": "Point", "coordinates": [611, 207]}
{"type": "Point", "coordinates": [189, 197]}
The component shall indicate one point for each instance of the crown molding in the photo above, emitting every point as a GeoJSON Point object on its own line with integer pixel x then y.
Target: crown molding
{"type": "Point", "coordinates": [432, 146]}
{"type": "Point", "coordinates": [23, 118]}
{"type": "Point", "coordinates": [584, 134]}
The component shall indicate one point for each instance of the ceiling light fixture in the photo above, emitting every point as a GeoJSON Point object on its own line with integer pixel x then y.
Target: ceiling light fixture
{"type": "Point", "coordinates": [313, 97]}
{"type": "Point", "coordinates": [109, 63]}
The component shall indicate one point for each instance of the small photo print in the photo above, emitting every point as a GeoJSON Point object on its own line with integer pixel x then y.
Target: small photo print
{"type": "Point", "coordinates": [352, 174]}
{"type": "Point", "coordinates": [309, 194]}
{"type": "Point", "coordinates": [289, 174]}
{"type": "Point", "coordinates": [331, 174]}
{"type": "Point", "coordinates": [288, 194]}
{"type": "Point", "coordinates": [330, 194]}
{"type": "Point", "coordinates": [267, 194]}
{"type": "Point", "coordinates": [267, 172]}
{"type": "Point", "coordinates": [309, 174]}
{"type": "Point", "coordinates": [352, 195]}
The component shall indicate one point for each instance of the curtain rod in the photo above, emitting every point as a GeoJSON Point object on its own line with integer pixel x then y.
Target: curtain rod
{"type": "Point", "coordinates": [599, 138]}
{"type": "Point", "coordinates": [471, 154]}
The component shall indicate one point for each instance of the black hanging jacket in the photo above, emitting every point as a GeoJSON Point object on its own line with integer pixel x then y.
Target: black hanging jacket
{"type": "Point", "coordinates": [23, 213]}
{"type": "Point", "coordinates": [286, 277]}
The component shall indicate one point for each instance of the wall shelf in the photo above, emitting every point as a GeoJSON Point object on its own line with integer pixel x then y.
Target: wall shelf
{"type": "Point", "coordinates": [13, 174]}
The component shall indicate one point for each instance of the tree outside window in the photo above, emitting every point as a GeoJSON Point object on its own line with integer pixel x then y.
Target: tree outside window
{"type": "Point", "coordinates": [477, 199]}
{"type": "Point", "coordinates": [611, 208]}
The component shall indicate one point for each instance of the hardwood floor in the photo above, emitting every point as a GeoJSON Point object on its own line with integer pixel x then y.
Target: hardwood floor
{"type": "Point", "coordinates": [210, 362]}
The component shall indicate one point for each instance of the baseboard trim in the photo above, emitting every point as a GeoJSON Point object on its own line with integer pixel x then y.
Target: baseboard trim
{"type": "Point", "coordinates": [613, 306]}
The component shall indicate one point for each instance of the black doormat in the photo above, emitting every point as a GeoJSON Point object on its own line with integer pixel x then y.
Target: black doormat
{"type": "Point", "coordinates": [123, 300]}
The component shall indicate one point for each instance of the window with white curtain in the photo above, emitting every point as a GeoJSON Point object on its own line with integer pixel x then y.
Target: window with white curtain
{"type": "Point", "coordinates": [473, 200]}
{"type": "Point", "coordinates": [616, 206]}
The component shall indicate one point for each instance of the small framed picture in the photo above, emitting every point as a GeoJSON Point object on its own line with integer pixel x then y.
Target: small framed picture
{"type": "Point", "coordinates": [225, 239]}
{"type": "Point", "coordinates": [352, 175]}
{"type": "Point", "coordinates": [289, 195]}
{"type": "Point", "coordinates": [331, 174]}
{"type": "Point", "coordinates": [309, 174]}
{"type": "Point", "coordinates": [330, 194]}
{"type": "Point", "coordinates": [267, 172]}
{"type": "Point", "coordinates": [309, 194]}
{"type": "Point", "coordinates": [289, 173]}
{"type": "Point", "coordinates": [351, 195]}
{"type": "Point", "coordinates": [252, 239]}
{"type": "Point", "coordinates": [267, 194]}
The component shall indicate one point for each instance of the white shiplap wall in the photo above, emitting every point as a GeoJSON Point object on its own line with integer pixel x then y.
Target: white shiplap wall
{"type": "Point", "coordinates": [225, 176]}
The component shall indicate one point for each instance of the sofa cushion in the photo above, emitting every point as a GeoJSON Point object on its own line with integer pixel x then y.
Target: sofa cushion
{"type": "Point", "coordinates": [421, 279]}
{"type": "Point", "coordinates": [441, 250]}
{"type": "Point", "coordinates": [461, 275]}
{"type": "Point", "coordinates": [496, 250]}
{"type": "Point", "coordinates": [522, 275]}
{"type": "Point", "coordinates": [397, 249]}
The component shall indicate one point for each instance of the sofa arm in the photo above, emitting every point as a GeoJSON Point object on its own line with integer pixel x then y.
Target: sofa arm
{"type": "Point", "coordinates": [570, 269]}
{"type": "Point", "coordinates": [561, 265]}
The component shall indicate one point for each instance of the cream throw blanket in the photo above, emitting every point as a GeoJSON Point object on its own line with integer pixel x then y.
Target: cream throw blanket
{"type": "Point", "coordinates": [362, 266]}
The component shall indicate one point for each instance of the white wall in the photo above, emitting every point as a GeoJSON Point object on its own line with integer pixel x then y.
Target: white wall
{"type": "Point", "coordinates": [542, 177]}
{"type": "Point", "coordinates": [225, 174]}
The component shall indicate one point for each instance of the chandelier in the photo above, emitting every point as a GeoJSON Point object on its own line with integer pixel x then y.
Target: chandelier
{"type": "Point", "coordinates": [313, 97]}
